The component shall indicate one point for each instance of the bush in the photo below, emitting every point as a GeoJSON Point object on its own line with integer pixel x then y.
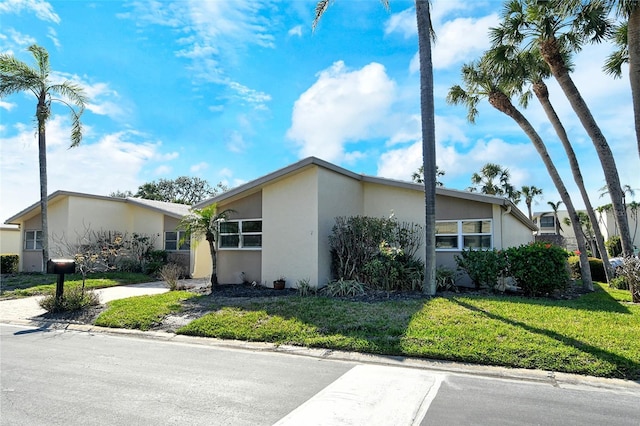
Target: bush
{"type": "Point", "coordinates": [595, 265]}
{"type": "Point", "coordinates": [73, 299]}
{"type": "Point", "coordinates": [446, 279]}
{"type": "Point", "coordinates": [9, 263]}
{"type": "Point", "coordinates": [170, 274]}
{"type": "Point", "coordinates": [597, 270]}
{"type": "Point", "coordinates": [155, 261]}
{"type": "Point", "coordinates": [344, 288]}
{"type": "Point", "coordinates": [630, 271]}
{"type": "Point", "coordinates": [619, 283]}
{"type": "Point", "coordinates": [484, 267]}
{"type": "Point", "coordinates": [304, 287]}
{"type": "Point", "coordinates": [378, 252]}
{"type": "Point", "coordinates": [614, 246]}
{"type": "Point", "coordinates": [539, 268]}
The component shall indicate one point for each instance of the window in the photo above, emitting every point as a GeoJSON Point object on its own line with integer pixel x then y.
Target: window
{"type": "Point", "coordinates": [241, 234]}
{"type": "Point", "coordinates": [463, 234]}
{"type": "Point", "coordinates": [547, 222]}
{"type": "Point", "coordinates": [32, 240]}
{"type": "Point", "coordinates": [172, 241]}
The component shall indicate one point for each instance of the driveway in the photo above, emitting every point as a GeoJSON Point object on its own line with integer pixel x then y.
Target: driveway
{"type": "Point", "coordinates": [25, 309]}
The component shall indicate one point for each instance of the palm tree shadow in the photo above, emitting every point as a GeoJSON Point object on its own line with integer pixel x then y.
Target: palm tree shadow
{"type": "Point", "coordinates": [633, 365]}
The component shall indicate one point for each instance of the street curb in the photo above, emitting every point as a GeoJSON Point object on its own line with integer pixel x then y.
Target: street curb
{"type": "Point", "coordinates": [556, 379]}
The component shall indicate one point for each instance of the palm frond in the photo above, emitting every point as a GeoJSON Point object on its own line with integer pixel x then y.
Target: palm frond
{"type": "Point", "coordinates": [321, 8]}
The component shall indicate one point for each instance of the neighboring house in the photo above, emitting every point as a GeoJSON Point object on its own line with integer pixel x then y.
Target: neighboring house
{"type": "Point", "coordinates": [9, 239]}
{"type": "Point", "coordinates": [283, 221]}
{"type": "Point", "coordinates": [70, 214]}
{"type": "Point", "coordinates": [606, 222]}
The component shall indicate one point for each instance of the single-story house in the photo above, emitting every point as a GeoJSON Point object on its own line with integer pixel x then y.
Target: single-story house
{"type": "Point", "coordinates": [282, 221]}
{"type": "Point", "coordinates": [9, 239]}
{"type": "Point", "coordinates": [70, 214]}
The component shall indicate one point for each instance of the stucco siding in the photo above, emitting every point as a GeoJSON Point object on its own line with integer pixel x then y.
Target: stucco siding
{"type": "Point", "coordinates": [338, 195]}
{"type": "Point", "coordinates": [290, 228]}
{"type": "Point", "coordinates": [380, 201]}
{"type": "Point", "coordinates": [10, 240]}
{"type": "Point", "coordinates": [513, 233]}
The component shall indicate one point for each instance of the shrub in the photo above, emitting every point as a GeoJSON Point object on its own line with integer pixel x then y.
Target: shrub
{"type": "Point", "coordinates": [446, 279]}
{"type": "Point", "coordinates": [619, 283]}
{"type": "Point", "coordinates": [73, 299]}
{"type": "Point", "coordinates": [484, 267]}
{"type": "Point", "coordinates": [614, 246]}
{"type": "Point", "coordinates": [377, 251]}
{"type": "Point", "coordinates": [155, 260]}
{"type": "Point", "coordinates": [597, 269]}
{"type": "Point", "coordinates": [304, 287]}
{"type": "Point", "coordinates": [170, 274]}
{"type": "Point", "coordinates": [595, 265]}
{"type": "Point", "coordinates": [9, 263]}
{"type": "Point", "coordinates": [344, 288]}
{"type": "Point", "coordinates": [539, 268]}
{"type": "Point", "coordinates": [630, 270]}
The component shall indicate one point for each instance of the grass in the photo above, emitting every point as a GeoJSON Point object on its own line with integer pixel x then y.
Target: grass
{"type": "Point", "coordinates": [142, 312]}
{"type": "Point", "coordinates": [597, 334]}
{"type": "Point", "coordinates": [32, 284]}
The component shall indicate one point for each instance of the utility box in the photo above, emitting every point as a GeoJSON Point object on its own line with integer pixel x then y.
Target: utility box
{"type": "Point", "coordinates": [61, 266]}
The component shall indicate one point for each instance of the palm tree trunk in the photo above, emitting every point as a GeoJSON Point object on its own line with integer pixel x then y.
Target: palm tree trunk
{"type": "Point", "coordinates": [542, 93]}
{"type": "Point", "coordinates": [551, 54]}
{"type": "Point", "coordinates": [529, 210]}
{"type": "Point", "coordinates": [502, 103]}
{"type": "Point", "coordinates": [214, 264]}
{"type": "Point", "coordinates": [42, 159]}
{"type": "Point", "coordinates": [633, 41]}
{"type": "Point", "coordinates": [428, 143]}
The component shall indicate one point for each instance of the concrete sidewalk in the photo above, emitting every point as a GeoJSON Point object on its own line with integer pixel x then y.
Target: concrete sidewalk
{"type": "Point", "coordinates": [27, 308]}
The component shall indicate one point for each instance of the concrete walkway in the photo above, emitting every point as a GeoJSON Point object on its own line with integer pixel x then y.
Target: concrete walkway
{"type": "Point", "coordinates": [27, 308]}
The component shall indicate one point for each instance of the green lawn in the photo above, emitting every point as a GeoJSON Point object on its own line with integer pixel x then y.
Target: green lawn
{"type": "Point", "coordinates": [597, 334]}
{"type": "Point", "coordinates": [142, 312]}
{"type": "Point", "coordinates": [23, 285]}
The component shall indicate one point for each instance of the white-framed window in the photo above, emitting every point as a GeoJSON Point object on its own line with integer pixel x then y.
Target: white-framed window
{"type": "Point", "coordinates": [33, 240]}
{"type": "Point", "coordinates": [547, 222]}
{"type": "Point", "coordinates": [173, 239]}
{"type": "Point", "coordinates": [456, 235]}
{"type": "Point", "coordinates": [241, 234]}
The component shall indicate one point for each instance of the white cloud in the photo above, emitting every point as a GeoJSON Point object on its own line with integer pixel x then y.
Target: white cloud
{"type": "Point", "coordinates": [162, 170]}
{"type": "Point", "coordinates": [42, 9]}
{"type": "Point", "coordinates": [18, 39]}
{"type": "Point", "coordinates": [234, 141]}
{"type": "Point", "coordinates": [111, 163]}
{"type": "Point", "coordinates": [341, 106]}
{"type": "Point", "coordinates": [197, 168]}
{"type": "Point", "coordinates": [7, 105]}
{"type": "Point", "coordinates": [53, 36]}
{"type": "Point", "coordinates": [295, 31]}
{"type": "Point", "coordinates": [403, 22]}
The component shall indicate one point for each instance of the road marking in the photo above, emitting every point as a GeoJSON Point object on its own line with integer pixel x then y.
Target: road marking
{"type": "Point", "coordinates": [370, 395]}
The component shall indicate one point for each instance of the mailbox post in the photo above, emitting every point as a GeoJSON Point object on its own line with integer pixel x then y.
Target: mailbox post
{"type": "Point", "coordinates": [60, 267]}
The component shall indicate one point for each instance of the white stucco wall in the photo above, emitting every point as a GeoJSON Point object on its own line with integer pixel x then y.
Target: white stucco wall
{"type": "Point", "coordinates": [10, 240]}
{"type": "Point", "coordinates": [290, 228]}
{"type": "Point", "coordinates": [509, 231]}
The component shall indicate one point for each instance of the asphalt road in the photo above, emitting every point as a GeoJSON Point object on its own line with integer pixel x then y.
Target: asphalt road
{"type": "Point", "coordinates": [83, 378]}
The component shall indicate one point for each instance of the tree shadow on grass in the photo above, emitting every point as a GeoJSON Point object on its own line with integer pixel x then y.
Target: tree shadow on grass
{"type": "Point", "coordinates": [626, 368]}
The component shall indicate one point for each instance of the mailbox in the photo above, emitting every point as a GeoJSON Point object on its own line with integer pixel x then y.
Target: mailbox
{"type": "Point", "coordinates": [61, 266]}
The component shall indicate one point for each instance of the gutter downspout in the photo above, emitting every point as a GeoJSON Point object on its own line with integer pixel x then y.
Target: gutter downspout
{"type": "Point", "coordinates": [504, 213]}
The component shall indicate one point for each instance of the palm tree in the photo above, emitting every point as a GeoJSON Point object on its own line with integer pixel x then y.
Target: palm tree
{"type": "Point", "coordinates": [627, 38]}
{"type": "Point", "coordinates": [530, 193]}
{"type": "Point", "coordinates": [528, 66]}
{"type": "Point", "coordinates": [425, 35]}
{"type": "Point", "coordinates": [482, 81]}
{"type": "Point", "coordinates": [485, 182]}
{"type": "Point", "coordinates": [418, 176]}
{"type": "Point", "coordinates": [205, 223]}
{"type": "Point", "coordinates": [557, 27]}
{"type": "Point", "coordinates": [16, 76]}
{"type": "Point", "coordinates": [555, 208]}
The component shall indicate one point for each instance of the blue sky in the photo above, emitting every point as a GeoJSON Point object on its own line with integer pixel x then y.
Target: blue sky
{"type": "Point", "coordinates": [231, 90]}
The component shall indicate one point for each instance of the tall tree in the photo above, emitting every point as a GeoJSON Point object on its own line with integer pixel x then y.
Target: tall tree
{"type": "Point", "coordinates": [205, 223]}
{"type": "Point", "coordinates": [627, 38]}
{"type": "Point", "coordinates": [418, 176]}
{"type": "Point", "coordinates": [183, 190]}
{"type": "Point", "coordinates": [528, 67]}
{"type": "Point", "coordinates": [483, 81]}
{"type": "Point", "coordinates": [493, 179]}
{"type": "Point", "coordinates": [425, 35]}
{"type": "Point", "coordinates": [530, 193]}
{"type": "Point", "coordinates": [555, 207]}
{"type": "Point", "coordinates": [556, 28]}
{"type": "Point", "coordinates": [17, 76]}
